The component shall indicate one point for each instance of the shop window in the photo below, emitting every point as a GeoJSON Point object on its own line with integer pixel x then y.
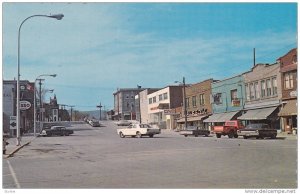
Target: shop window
{"type": "Point", "coordinates": [288, 81]}
{"type": "Point", "coordinates": [269, 89]}
{"type": "Point", "coordinates": [202, 99]}
{"type": "Point", "coordinates": [247, 92]}
{"type": "Point", "coordinates": [233, 94]}
{"type": "Point", "coordinates": [252, 93]}
{"type": "Point", "coordinates": [263, 88]}
{"type": "Point", "coordinates": [256, 88]}
{"type": "Point", "coordinates": [274, 86]}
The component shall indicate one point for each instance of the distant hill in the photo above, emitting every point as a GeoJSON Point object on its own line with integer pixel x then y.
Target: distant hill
{"type": "Point", "coordinates": [95, 114]}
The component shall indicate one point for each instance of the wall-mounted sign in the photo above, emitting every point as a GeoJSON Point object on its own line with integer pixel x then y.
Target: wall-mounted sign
{"type": "Point", "coordinates": [293, 93]}
{"type": "Point", "coordinates": [24, 105]}
{"type": "Point", "coordinates": [236, 103]}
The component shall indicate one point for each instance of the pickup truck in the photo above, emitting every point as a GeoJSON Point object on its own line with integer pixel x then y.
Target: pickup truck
{"type": "Point", "coordinates": [194, 131]}
{"type": "Point", "coordinates": [138, 130]}
{"type": "Point", "coordinates": [230, 128]}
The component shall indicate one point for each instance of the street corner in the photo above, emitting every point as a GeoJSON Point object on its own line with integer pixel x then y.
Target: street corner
{"type": "Point", "coordinates": [12, 148]}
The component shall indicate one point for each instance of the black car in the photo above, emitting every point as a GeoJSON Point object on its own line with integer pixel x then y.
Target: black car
{"type": "Point", "coordinates": [194, 131]}
{"type": "Point", "coordinates": [57, 130]}
{"type": "Point", "coordinates": [258, 130]}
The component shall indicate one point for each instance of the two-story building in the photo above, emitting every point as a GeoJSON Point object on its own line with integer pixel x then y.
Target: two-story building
{"type": "Point", "coordinates": [124, 103]}
{"type": "Point", "coordinates": [226, 99]}
{"type": "Point", "coordinates": [161, 102]}
{"type": "Point", "coordinates": [263, 95]}
{"type": "Point", "coordinates": [288, 70]}
{"type": "Point", "coordinates": [198, 103]}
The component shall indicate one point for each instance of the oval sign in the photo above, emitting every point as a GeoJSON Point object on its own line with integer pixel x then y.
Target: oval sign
{"type": "Point", "coordinates": [24, 105]}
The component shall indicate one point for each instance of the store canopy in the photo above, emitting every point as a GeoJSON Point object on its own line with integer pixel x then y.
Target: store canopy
{"type": "Point", "coordinates": [220, 117]}
{"type": "Point", "coordinates": [289, 109]}
{"type": "Point", "coordinates": [258, 114]}
{"type": "Point", "coordinates": [190, 119]}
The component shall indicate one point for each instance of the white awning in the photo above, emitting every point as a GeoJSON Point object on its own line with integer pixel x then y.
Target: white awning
{"type": "Point", "coordinates": [258, 114]}
{"type": "Point", "coordinates": [195, 118]}
{"type": "Point", "coordinates": [220, 117]}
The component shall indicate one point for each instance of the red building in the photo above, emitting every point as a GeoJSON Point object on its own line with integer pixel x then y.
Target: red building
{"type": "Point", "coordinates": [288, 69]}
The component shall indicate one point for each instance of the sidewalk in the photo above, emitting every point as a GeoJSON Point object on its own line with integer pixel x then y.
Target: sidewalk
{"type": "Point", "coordinates": [12, 147]}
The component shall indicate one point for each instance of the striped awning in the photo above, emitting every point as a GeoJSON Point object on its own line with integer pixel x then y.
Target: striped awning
{"type": "Point", "coordinates": [190, 119]}
{"type": "Point", "coordinates": [258, 114]}
{"type": "Point", "coordinates": [220, 117]}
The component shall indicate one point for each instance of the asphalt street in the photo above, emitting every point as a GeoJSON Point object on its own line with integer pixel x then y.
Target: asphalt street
{"type": "Point", "coordinates": [96, 157]}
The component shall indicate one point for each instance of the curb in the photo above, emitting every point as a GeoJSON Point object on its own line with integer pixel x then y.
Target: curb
{"type": "Point", "coordinates": [18, 148]}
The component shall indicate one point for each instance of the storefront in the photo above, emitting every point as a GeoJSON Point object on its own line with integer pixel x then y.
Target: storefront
{"type": "Point", "coordinates": [220, 118]}
{"type": "Point", "coordinates": [288, 114]}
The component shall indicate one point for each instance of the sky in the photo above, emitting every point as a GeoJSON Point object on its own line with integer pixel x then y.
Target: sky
{"type": "Point", "coordinates": [99, 47]}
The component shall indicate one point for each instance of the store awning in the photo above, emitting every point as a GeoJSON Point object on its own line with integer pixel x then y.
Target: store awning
{"type": "Point", "coordinates": [190, 119]}
{"type": "Point", "coordinates": [220, 117]}
{"type": "Point", "coordinates": [258, 114]}
{"type": "Point", "coordinates": [289, 109]}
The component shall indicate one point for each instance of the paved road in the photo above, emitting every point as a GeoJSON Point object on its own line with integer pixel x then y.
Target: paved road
{"type": "Point", "coordinates": [98, 158]}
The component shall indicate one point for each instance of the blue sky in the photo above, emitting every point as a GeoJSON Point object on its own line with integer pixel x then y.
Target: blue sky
{"type": "Point", "coordinates": [99, 47]}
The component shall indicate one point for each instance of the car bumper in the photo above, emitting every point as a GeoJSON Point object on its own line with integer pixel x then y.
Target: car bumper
{"type": "Point", "coordinates": [248, 133]}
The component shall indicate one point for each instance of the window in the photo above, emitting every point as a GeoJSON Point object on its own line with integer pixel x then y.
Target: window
{"type": "Point", "coordinates": [187, 102]}
{"type": "Point", "coordinates": [154, 99]}
{"type": "Point", "coordinates": [217, 98]}
{"type": "Point", "coordinates": [256, 88]}
{"type": "Point", "coordinates": [233, 94]}
{"type": "Point", "coordinates": [247, 92]}
{"type": "Point", "coordinates": [263, 88]}
{"type": "Point", "coordinates": [288, 81]}
{"type": "Point", "coordinates": [160, 97]}
{"type": "Point", "coordinates": [202, 99]}
{"type": "Point", "coordinates": [165, 96]}
{"type": "Point", "coordinates": [269, 88]}
{"type": "Point", "coordinates": [150, 100]}
{"type": "Point", "coordinates": [194, 102]}
{"type": "Point", "coordinates": [274, 86]}
{"type": "Point", "coordinates": [252, 93]}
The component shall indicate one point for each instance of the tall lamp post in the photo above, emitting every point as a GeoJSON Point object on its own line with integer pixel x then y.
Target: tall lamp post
{"type": "Point", "coordinates": [34, 101]}
{"type": "Point", "coordinates": [56, 16]}
{"type": "Point", "coordinates": [184, 102]}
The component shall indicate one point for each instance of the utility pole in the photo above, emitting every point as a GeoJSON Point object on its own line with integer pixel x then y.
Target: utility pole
{"type": "Point", "coordinates": [185, 108]}
{"type": "Point", "coordinates": [100, 106]}
{"type": "Point", "coordinates": [40, 96]}
{"type": "Point", "coordinates": [71, 112]}
{"type": "Point", "coordinates": [254, 57]}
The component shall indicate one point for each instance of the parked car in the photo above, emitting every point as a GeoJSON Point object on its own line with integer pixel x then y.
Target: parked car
{"type": "Point", "coordinates": [123, 123]}
{"type": "Point", "coordinates": [194, 131]}
{"type": "Point", "coordinates": [138, 130]}
{"type": "Point", "coordinates": [230, 128]}
{"type": "Point", "coordinates": [258, 130]}
{"type": "Point", "coordinates": [57, 130]}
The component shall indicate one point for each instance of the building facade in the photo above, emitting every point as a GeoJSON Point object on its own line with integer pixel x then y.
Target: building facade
{"type": "Point", "coordinates": [124, 103]}
{"type": "Point", "coordinates": [262, 94]}
{"type": "Point", "coordinates": [161, 102]}
{"type": "Point", "coordinates": [198, 104]}
{"type": "Point", "coordinates": [10, 102]}
{"type": "Point", "coordinates": [227, 100]}
{"type": "Point", "coordinates": [142, 105]}
{"type": "Point", "coordinates": [288, 70]}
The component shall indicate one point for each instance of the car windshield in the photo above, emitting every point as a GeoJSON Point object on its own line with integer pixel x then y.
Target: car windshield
{"type": "Point", "coordinates": [254, 126]}
{"type": "Point", "coordinates": [145, 126]}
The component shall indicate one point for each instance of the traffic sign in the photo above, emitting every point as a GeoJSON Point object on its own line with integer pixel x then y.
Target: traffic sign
{"type": "Point", "coordinates": [13, 122]}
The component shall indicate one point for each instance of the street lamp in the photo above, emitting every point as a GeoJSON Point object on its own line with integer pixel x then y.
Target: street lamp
{"type": "Point", "coordinates": [56, 16]}
{"type": "Point", "coordinates": [99, 106]}
{"type": "Point", "coordinates": [34, 100]}
{"type": "Point", "coordinates": [184, 102]}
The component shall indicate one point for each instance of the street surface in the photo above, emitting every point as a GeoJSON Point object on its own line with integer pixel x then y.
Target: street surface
{"type": "Point", "coordinates": [96, 157]}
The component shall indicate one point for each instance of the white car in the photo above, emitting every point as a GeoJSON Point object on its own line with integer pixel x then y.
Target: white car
{"type": "Point", "coordinates": [138, 130]}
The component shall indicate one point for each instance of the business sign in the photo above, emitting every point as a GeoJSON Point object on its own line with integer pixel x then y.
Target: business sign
{"type": "Point", "coordinates": [24, 105]}
{"type": "Point", "coordinates": [293, 93]}
{"type": "Point", "coordinates": [12, 122]}
{"type": "Point", "coordinates": [236, 103]}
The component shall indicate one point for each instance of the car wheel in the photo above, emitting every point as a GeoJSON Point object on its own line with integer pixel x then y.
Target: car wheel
{"type": "Point", "coordinates": [196, 135]}
{"type": "Point", "coordinates": [230, 135]}
{"type": "Point", "coordinates": [245, 137]}
{"type": "Point", "coordinates": [185, 135]}
{"type": "Point", "coordinates": [122, 135]}
{"type": "Point", "coordinates": [273, 137]}
{"type": "Point", "coordinates": [151, 136]}
{"type": "Point", "coordinates": [138, 134]}
{"type": "Point", "coordinates": [218, 135]}
{"type": "Point", "coordinates": [235, 136]}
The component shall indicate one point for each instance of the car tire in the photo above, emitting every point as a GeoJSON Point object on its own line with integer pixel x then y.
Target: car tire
{"type": "Point", "coordinates": [218, 135]}
{"type": "Point", "coordinates": [230, 134]}
{"type": "Point", "coordinates": [185, 135]}
{"type": "Point", "coordinates": [245, 137]}
{"type": "Point", "coordinates": [273, 136]}
{"type": "Point", "coordinates": [138, 134]}
{"type": "Point", "coordinates": [236, 136]}
{"type": "Point", "coordinates": [121, 135]}
{"type": "Point", "coordinates": [151, 136]}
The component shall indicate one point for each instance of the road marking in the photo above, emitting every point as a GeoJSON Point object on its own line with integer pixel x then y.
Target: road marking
{"type": "Point", "coordinates": [13, 174]}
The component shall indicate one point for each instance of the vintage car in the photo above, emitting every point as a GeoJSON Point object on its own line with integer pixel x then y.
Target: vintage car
{"type": "Point", "coordinates": [258, 130]}
{"type": "Point", "coordinates": [123, 123]}
{"type": "Point", "coordinates": [57, 130]}
{"type": "Point", "coordinates": [138, 130]}
{"type": "Point", "coordinates": [194, 131]}
{"type": "Point", "coordinates": [94, 123]}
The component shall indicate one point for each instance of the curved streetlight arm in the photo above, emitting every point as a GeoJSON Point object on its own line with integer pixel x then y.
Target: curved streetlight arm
{"type": "Point", "coordinates": [56, 16]}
